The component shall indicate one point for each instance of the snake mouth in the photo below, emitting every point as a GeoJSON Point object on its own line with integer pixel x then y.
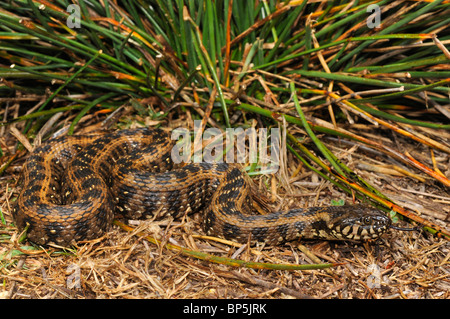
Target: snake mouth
{"type": "Point", "coordinates": [416, 228]}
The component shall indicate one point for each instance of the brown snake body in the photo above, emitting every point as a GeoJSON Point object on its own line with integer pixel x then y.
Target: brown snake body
{"type": "Point", "coordinates": [72, 187]}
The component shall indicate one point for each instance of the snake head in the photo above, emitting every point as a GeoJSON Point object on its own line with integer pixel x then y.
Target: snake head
{"type": "Point", "coordinates": [358, 223]}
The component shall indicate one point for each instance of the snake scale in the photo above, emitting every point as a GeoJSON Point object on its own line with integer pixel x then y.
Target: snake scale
{"type": "Point", "coordinates": [73, 186]}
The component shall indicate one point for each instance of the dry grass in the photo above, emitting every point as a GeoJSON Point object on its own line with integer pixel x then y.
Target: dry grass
{"type": "Point", "coordinates": [126, 265]}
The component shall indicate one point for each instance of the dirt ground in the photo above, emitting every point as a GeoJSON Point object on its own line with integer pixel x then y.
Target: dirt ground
{"type": "Point", "coordinates": [123, 264]}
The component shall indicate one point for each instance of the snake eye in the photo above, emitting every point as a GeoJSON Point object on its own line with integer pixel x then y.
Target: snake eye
{"type": "Point", "coordinates": [367, 220]}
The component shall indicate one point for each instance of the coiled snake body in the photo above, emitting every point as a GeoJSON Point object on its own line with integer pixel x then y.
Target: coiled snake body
{"type": "Point", "coordinates": [72, 187]}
